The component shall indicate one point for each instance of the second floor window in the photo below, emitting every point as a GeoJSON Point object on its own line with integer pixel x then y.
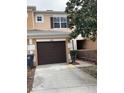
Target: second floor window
{"type": "Point", "coordinates": [56, 22]}
{"type": "Point", "coordinates": [59, 22]}
{"type": "Point", "coordinates": [39, 19]}
{"type": "Point", "coordinates": [63, 22]}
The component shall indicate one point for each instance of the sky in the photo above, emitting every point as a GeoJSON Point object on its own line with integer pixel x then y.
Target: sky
{"type": "Point", "coordinates": [58, 5]}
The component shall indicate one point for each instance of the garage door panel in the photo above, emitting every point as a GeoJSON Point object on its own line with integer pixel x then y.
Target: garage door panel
{"type": "Point", "coordinates": [51, 52]}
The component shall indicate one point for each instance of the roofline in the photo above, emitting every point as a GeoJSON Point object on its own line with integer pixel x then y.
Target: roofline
{"type": "Point", "coordinates": [51, 12]}
{"type": "Point", "coordinates": [47, 11]}
{"type": "Point", "coordinates": [31, 7]}
{"type": "Point", "coordinates": [47, 34]}
{"type": "Point", "coordinates": [44, 30]}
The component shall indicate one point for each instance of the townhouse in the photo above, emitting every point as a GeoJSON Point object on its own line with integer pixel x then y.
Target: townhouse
{"type": "Point", "coordinates": [48, 36]}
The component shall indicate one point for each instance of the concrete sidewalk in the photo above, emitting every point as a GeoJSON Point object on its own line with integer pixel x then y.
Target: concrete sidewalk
{"type": "Point", "coordinates": [62, 78]}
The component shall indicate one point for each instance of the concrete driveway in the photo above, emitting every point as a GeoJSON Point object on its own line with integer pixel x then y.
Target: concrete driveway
{"type": "Point", "coordinates": [62, 78]}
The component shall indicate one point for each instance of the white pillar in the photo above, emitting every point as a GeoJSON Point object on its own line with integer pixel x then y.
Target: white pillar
{"type": "Point", "coordinates": [30, 41]}
{"type": "Point", "coordinates": [74, 44]}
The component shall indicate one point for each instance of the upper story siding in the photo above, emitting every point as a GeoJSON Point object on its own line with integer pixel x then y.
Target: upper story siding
{"type": "Point", "coordinates": [30, 17]}
{"type": "Point", "coordinates": [46, 24]}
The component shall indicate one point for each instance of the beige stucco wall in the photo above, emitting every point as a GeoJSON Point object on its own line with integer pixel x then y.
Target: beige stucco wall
{"type": "Point", "coordinates": [89, 44]}
{"type": "Point", "coordinates": [46, 25]}
{"type": "Point", "coordinates": [30, 20]}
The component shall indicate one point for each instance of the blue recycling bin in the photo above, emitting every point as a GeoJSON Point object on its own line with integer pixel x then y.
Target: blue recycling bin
{"type": "Point", "coordinates": [30, 58]}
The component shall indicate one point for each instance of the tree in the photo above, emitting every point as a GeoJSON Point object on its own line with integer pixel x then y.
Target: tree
{"type": "Point", "coordinates": [82, 18]}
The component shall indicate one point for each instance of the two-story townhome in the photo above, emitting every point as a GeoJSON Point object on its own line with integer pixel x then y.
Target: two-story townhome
{"type": "Point", "coordinates": [47, 36]}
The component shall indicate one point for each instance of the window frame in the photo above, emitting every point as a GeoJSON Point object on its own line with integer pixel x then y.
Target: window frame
{"type": "Point", "coordinates": [64, 22]}
{"type": "Point", "coordinates": [42, 21]}
{"type": "Point", "coordinates": [56, 22]}
{"type": "Point", "coordinates": [60, 21]}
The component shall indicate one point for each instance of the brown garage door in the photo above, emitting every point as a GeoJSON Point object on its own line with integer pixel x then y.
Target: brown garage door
{"type": "Point", "coordinates": [51, 52]}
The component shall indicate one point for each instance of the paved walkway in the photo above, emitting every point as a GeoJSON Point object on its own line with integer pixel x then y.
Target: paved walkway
{"type": "Point", "coordinates": [62, 78]}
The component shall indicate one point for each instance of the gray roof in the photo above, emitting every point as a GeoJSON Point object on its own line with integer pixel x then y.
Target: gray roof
{"type": "Point", "coordinates": [47, 34]}
{"type": "Point", "coordinates": [46, 12]}
{"type": "Point", "coordinates": [50, 12]}
{"type": "Point", "coordinates": [31, 7]}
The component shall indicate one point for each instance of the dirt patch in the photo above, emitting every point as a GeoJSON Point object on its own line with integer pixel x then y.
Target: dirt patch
{"type": "Point", "coordinates": [92, 70]}
{"type": "Point", "coordinates": [30, 78]}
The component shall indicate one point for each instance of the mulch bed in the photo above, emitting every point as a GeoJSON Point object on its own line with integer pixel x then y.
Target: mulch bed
{"type": "Point", "coordinates": [30, 78]}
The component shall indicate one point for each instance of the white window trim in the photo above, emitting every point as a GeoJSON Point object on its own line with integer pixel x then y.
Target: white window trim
{"type": "Point", "coordinates": [39, 21]}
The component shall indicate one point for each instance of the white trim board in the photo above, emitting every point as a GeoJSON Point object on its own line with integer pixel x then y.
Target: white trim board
{"type": "Point", "coordinates": [48, 40]}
